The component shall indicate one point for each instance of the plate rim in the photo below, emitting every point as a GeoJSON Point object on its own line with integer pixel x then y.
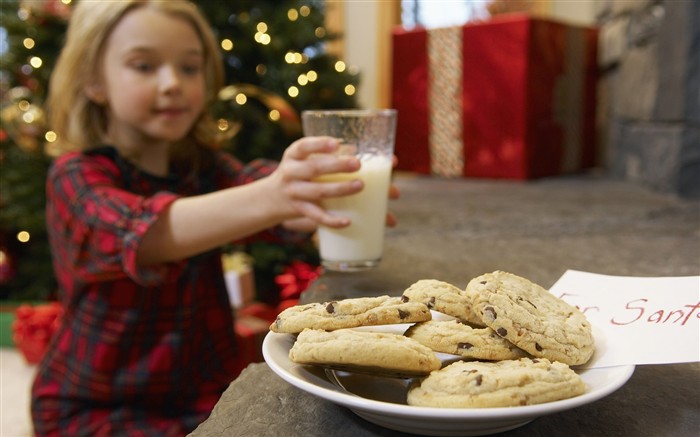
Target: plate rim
{"type": "Point", "coordinates": [353, 402]}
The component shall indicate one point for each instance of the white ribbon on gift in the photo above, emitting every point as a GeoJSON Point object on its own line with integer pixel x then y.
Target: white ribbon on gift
{"type": "Point", "coordinates": [445, 140]}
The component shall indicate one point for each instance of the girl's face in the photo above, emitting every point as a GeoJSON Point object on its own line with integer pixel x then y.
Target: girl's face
{"type": "Point", "coordinates": [153, 79]}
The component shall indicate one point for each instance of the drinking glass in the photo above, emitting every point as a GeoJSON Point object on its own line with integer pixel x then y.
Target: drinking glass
{"type": "Point", "coordinates": [367, 134]}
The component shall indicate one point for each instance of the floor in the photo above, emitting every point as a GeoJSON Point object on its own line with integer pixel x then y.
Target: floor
{"type": "Point", "coordinates": [15, 380]}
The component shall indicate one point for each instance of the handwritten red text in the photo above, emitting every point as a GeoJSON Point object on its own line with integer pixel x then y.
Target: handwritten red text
{"type": "Point", "coordinates": [636, 310]}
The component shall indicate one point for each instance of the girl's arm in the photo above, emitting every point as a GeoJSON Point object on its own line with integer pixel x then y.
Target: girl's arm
{"type": "Point", "coordinates": [193, 225]}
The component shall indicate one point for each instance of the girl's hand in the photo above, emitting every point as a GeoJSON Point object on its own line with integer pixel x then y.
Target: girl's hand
{"type": "Point", "coordinates": [393, 194]}
{"type": "Point", "coordinates": [305, 224]}
{"type": "Point", "coordinates": [390, 217]}
{"type": "Point", "coordinates": [299, 194]}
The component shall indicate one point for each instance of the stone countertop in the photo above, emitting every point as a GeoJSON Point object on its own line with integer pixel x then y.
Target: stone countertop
{"type": "Point", "coordinates": [454, 230]}
{"type": "Point", "coordinates": [656, 401]}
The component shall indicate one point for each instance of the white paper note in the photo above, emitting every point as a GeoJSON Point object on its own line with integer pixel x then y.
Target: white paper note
{"type": "Point", "coordinates": [637, 320]}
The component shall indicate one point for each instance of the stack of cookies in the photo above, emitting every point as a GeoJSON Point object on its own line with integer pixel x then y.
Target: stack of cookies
{"type": "Point", "coordinates": [512, 339]}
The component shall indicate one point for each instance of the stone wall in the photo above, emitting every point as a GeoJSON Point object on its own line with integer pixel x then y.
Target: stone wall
{"type": "Point", "coordinates": [649, 112]}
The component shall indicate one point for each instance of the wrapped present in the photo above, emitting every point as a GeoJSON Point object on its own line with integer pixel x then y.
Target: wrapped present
{"type": "Point", "coordinates": [33, 328]}
{"type": "Point", "coordinates": [238, 276]}
{"type": "Point", "coordinates": [250, 333]}
{"type": "Point", "coordinates": [253, 319]}
{"type": "Point", "coordinates": [512, 97]}
{"type": "Point", "coordinates": [252, 325]}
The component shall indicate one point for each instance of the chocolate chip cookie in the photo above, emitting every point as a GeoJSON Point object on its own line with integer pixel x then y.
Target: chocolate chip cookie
{"type": "Point", "coordinates": [457, 338]}
{"type": "Point", "coordinates": [350, 313]}
{"type": "Point", "coordinates": [373, 352]}
{"type": "Point", "coordinates": [509, 383]}
{"type": "Point", "coordinates": [443, 297]}
{"type": "Point", "coordinates": [532, 318]}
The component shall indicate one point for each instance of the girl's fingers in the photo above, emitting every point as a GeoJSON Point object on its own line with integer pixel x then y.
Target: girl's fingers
{"type": "Point", "coordinates": [302, 148]}
{"type": "Point", "coordinates": [315, 191]}
{"type": "Point", "coordinates": [327, 163]}
{"type": "Point", "coordinates": [394, 192]}
{"type": "Point", "coordinates": [321, 216]}
{"type": "Point", "coordinates": [318, 165]}
{"type": "Point", "coordinates": [391, 220]}
{"type": "Point", "coordinates": [301, 224]}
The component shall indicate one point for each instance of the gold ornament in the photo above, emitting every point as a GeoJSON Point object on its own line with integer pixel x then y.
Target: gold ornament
{"type": "Point", "coordinates": [281, 111]}
{"type": "Point", "coordinates": [45, 8]}
{"type": "Point", "coordinates": [23, 120]}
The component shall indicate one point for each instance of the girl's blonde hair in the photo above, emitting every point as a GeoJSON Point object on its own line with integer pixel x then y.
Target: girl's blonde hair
{"type": "Point", "coordinates": [80, 123]}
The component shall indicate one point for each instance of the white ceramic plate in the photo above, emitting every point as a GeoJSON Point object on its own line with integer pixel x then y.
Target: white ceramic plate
{"type": "Point", "coordinates": [382, 400]}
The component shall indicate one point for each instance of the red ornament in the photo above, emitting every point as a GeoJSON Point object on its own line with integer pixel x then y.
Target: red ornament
{"type": "Point", "coordinates": [34, 327]}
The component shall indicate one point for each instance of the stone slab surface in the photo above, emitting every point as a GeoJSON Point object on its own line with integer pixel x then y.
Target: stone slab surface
{"type": "Point", "coordinates": [260, 404]}
{"type": "Point", "coordinates": [454, 230]}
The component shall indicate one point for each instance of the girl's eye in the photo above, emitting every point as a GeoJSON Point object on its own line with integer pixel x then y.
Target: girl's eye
{"type": "Point", "coordinates": [143, 67]}
{"type": "Point", "coordinates": [192, 69]}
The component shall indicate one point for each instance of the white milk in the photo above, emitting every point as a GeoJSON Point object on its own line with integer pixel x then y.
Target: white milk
{"type": "Point", "coordinates": [363, 240]}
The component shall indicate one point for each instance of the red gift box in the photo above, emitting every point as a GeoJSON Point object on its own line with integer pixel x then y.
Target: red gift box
{"type": "Point", "coordinates": [513, 97]}
{"type": "Point", "coordinates": [250, 333]}
{"type": "Point", "coordinates": [252, 325]}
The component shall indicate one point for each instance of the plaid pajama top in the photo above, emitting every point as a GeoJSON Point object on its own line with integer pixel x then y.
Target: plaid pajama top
{"type": "Point", "coordinates": [140, 351]}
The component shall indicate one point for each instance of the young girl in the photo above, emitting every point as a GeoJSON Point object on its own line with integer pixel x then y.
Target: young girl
{"type": "Point", "coordinates": [137, 208]}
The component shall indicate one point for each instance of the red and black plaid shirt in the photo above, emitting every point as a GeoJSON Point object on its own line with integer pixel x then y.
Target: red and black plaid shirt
{"type": "Point", "coordinates": [141, 351]}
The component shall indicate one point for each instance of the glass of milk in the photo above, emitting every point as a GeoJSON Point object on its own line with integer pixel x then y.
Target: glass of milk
{"type": "Point", "coordinates": [369, 135]}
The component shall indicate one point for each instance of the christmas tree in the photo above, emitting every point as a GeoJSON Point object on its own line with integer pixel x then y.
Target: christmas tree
{"type": "Point", "coordinates": [276, 66]}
